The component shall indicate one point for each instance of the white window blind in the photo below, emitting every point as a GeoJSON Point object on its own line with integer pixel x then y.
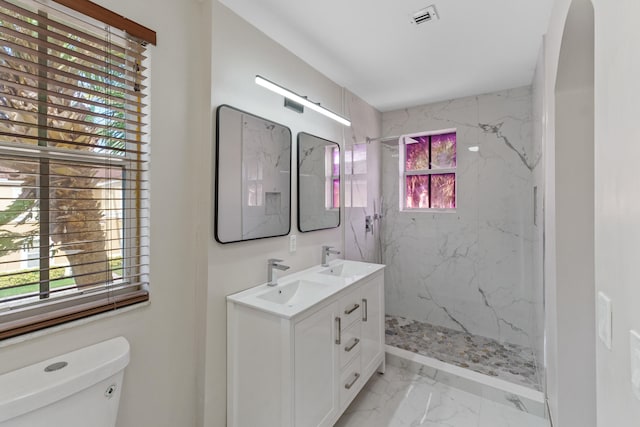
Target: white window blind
{"type": "Point", "coordinates": [73, 167]}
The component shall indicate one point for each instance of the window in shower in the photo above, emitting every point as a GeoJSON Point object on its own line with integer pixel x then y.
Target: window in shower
{"type": "Point", "coordinates": [428, 171]}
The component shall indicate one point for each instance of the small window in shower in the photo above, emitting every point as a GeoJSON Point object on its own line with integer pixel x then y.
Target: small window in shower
{"type": "Point", "coordinates": [428, 167]}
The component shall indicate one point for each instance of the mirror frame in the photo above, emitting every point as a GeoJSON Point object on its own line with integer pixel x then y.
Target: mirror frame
{"type": "Point", "coordinates": [217, 174]}
{"type": "Point", "coordinates": [298, 182]}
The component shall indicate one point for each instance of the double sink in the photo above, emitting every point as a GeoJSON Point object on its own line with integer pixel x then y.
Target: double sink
{"type": "Point", "coordinates": [297, 292]}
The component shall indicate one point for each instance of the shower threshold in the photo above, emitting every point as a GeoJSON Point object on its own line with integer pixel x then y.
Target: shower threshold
{"type": "Point", "coordinates": [505, 366]}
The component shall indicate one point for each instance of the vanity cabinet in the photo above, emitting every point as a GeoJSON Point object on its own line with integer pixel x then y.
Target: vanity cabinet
{"type": "Point", "coordinates": [372, 323]}
{"type": "Point", "coordinates": [305, 370]}
{"type": "Point", "coordinates": [315, 363]}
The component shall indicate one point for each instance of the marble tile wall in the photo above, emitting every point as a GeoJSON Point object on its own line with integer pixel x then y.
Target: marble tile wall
{"type": "Point", "coordinates": [468, 270]}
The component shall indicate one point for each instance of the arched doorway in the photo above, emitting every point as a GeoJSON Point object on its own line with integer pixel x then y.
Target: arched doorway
{"type": "Point", "coordinates": [570, 298]}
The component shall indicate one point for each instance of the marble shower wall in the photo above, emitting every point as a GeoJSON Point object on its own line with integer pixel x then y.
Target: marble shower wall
{"type": "Point", "coordinates": [469, 270]}
{"type": "Point", "coordinates": [362, 180]}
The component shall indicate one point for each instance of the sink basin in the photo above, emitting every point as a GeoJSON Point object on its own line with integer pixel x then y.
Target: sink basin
{"type": "Point", "coordinates": [299, 291]}
{"type": "Point", "coordinates": [296, 292]}
{"type": "Point", "coordinates": [349, 269]}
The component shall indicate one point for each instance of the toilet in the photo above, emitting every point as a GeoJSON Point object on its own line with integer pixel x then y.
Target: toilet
{"type": "Point", "coordinates": [77, 389]}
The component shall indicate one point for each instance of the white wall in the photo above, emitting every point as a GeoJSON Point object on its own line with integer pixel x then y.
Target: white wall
{"type": "Point", "coordinates": [574, 293]}
{"type": "Point", "coordinates": [617, 227]}
{"type": "Point", "coordinates": [617, 213]}
{"type": "Point", "coordinates": [569, 288]}
{"type": "Point", "coordinates": [239, 53]}
{"type": "Point", "coordinates": [160, 382]}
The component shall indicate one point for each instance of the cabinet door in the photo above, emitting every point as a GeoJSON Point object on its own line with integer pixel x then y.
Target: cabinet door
{"type": "Point", "coordinates": [316, 368]}
{"type": "Point", "coordinates": [372, 323]}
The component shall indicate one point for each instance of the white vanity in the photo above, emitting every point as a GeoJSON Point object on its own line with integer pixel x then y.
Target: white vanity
{"type": "Point", "coordinates": [299, 352]}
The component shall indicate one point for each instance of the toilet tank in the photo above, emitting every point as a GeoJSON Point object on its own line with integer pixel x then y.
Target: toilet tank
{"type": "Point", "coordinates": [77, 389]}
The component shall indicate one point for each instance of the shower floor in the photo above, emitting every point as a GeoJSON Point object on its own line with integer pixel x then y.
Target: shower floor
{"type": "Point", "coordinates": [509, 362]}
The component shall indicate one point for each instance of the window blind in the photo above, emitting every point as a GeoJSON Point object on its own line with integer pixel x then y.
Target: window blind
{"type": "Point", "coordinates": [73, 167]}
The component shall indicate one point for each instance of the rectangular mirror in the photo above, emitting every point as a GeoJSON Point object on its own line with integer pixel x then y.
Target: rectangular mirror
{"type": "Point", "coordinates": [318, 183]}
{"type": "Point", "coordinates": [253, 177]}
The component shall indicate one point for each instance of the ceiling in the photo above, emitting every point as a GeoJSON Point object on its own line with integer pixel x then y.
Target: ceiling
{"type": "Point", "coordinates": [371, 47]}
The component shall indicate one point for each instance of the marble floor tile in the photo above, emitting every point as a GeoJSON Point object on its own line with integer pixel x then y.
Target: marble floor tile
{"type": "Point", "coordinates": [510, 362]}
{"type": "Point", "coordinates": [493, 414]}
{"type": "Point", "coordinates": [401, 398]}
{"type": "Point", "coordinates": [508, 397]}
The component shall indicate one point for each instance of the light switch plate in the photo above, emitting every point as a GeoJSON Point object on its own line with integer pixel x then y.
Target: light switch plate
{"type": "Point", "coordinates": [635, 363]}
{"type": "Point", "coordinates": [292, 243]}
{"type": "Point", "coordinates": [604, 319]}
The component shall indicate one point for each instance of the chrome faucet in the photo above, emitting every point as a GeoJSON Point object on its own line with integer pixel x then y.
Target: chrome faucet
{"type": "Point", "coordinates": [272, 264]}
{"type": "Point", "coordinates": [326, 251]}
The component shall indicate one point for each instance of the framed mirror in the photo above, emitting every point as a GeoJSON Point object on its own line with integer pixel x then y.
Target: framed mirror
{"type": "Point", "coordinates": [253, 177]}
{"type": "Point", "coordinates": [318, 183]}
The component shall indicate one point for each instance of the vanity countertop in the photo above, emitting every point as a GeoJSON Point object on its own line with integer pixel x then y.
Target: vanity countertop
{"type": "Point", "coordinates": [300, 291]}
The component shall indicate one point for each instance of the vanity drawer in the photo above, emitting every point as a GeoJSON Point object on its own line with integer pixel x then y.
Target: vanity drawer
{"type": "Point", "coordinates": [350, 382]}
{"type": "Point", "coordinates": [350, 308]}
{"type": "Point", "coordinates": [350, 343]}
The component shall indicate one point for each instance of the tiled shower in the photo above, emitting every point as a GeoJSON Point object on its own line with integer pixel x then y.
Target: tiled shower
{"type": "Point", "coordinates": [461, 285]}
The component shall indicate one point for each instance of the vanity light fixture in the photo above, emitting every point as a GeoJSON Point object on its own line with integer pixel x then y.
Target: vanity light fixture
{"type": "Point", "coordinates": [474, 149]}
{"type": "Point", "coordinates": [301, 100]}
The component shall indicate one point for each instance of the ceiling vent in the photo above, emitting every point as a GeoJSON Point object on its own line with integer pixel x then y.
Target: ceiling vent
{"type": "Point", "coordinates": [427, 14]}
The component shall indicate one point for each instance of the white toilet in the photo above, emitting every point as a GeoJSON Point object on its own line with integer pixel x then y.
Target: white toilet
{"type": "Point", "coordinates": [77, 389]}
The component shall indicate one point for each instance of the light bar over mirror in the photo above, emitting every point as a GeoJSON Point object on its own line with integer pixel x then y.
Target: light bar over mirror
{"type": "Point", "coordinates": [301, 100]}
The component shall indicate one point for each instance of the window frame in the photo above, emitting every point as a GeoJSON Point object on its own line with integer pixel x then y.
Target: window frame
{"type": "Point", "coordinates": [37, 312]}
{"type": "Point", "coordinates": [403, 173]}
